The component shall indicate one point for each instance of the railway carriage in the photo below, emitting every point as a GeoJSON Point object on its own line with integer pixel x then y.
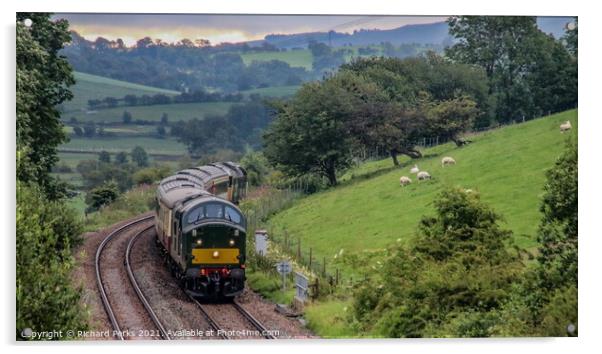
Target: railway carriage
{"type": "Point", "coordinates": [200, 229]}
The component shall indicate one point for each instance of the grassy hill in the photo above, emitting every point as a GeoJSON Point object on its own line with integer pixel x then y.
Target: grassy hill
{"type": "Point", "coordinates": [370, 210]}
{"type": "Point", "coordinates": [89, 87]}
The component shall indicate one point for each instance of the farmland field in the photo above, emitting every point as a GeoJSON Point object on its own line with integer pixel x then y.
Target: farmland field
{"type": "Point", "coordinates": [166, 146]}
{"type": "Point", "coordinates": [275, 91]}
{"type": "Point", "coordinates": [300, 58]}
{"type": "Point", "coordinates": [176, 112]}
{"type": "Point", "coordinates": [89, 86]}
{"type": "Point", "coordinates": [369, 210]}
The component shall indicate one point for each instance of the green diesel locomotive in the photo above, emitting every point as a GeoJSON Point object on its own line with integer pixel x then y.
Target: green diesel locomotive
{"type": "Point", "coordinates": [200, 229]}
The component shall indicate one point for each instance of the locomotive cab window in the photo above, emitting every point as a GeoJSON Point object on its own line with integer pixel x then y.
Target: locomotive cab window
{"type": "Point", "coordinates": [214, 211]}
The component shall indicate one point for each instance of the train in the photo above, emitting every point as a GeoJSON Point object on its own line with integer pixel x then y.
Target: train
{"type": "Point", "coordinates": [201, 231]}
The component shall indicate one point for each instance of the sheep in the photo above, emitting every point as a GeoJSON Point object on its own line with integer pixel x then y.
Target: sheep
{"type": "Point", "coordinates": [565, 126]}
{"type": "Point", "coordinates": [447, 161]}
{"type": "Point", "coordinates": [414, 169]}
{"type": "Point", "coordinates": [404, 181]}
{"type": "Point", "coordinates": [422, 175]}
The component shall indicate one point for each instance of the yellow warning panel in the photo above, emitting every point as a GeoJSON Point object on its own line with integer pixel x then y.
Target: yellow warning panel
{"type": "Point", "coordinates": [215, 256]}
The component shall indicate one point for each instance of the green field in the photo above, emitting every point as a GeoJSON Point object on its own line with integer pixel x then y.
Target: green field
{"type": "Point", "coordinates": [275, 91]}
{"type": "Point", "coordinates": [369, 210]}
{"type": "Point", "coordinates": [176, 112]}
{"type": "Point", "coordinates": [300, 58]}
{"type": "Point", "coordinates": [168, 146]}
{"type": "Point", "coordinates": [89, 87]}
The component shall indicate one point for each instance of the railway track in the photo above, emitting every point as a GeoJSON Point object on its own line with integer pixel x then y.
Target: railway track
{"type": "Point", "coordinates": [260, 327]}
{"type": "Point", "coordinates": [250, 319]}
{"type": "Point", "coordinates": [134, 282]}
{"type": "Point", "coordinates": [117, 330]}
{"type": "Point", "coordinates": [150, 313]}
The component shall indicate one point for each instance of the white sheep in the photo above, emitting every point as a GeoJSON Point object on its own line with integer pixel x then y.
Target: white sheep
{"type": "Point", "coordinates": [422, 175]}
{"type": "Point", "coordinates": [404, 181]}
{"type": "Point", "coordinates": [447, 161]}
{"type": "Point", "coordinates": [414, 169]}
{"type": "Point", "coordinates": [565, 126]}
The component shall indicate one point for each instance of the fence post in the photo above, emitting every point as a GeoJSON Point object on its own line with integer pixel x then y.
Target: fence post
{"type": "Point", "coordinates": [337, 277]}
{"type": "Point", "coordinates": [324, 266]}
{"type": "Point", "coordinates": [299, 248]}
{"type": "Point", "coordinates": [310, 257]}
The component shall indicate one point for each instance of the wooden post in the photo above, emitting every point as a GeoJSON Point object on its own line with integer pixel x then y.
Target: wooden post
{"type": "Point", "coordinates": [299, 249]}
{"type": "Point", "coordinates": [337, 277]}
{"type": "Point", "coordinates": [310, 257]}
{"type": "Point", "coordinates": [324, 265]}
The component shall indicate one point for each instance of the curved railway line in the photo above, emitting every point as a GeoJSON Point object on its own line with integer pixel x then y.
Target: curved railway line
{"type": "Point", "coordinates": [249, 320]}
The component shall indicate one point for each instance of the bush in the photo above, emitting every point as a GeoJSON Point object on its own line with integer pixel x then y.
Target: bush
{"type": "Point", "coordinates": [46, 233]}
{"type": "Point", "coordinates": [456, 274]}
{"type": "Point", "coordinates": [150, 175]}
{"type": "Point", "coordinates": [102, 195]}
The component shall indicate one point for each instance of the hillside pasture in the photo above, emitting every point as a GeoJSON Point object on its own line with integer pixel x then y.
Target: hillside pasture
{"type": "Point", "coordinates": [370, 210]}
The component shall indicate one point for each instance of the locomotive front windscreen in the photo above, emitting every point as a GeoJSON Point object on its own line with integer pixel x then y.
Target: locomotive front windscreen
{"type": "Point", "coordinates": [214, 210]}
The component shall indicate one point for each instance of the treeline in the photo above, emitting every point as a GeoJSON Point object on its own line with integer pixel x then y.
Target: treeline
{"type": "Point", "coordinates": [389, 103]}
{"type": "Point", "coordinates": [240, 128]}
{"type": "Point", "coordinates": [180, 67]}
{"type": "Point", "coordinates": [197, 96]}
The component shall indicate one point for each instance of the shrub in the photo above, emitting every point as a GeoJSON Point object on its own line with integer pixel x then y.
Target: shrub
{"type": "Point", "coordinates": [456, 274]}
{"type": "Point", "coordinates": [46, 233]}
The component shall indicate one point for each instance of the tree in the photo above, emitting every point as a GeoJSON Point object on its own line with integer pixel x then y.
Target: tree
{"type": "Point", "coordinates": [104, 156]}
{"type": "Point", "coordinates": [126, 117]}
{"type": "Point", "coordinates": [256, 166]}
{"type": "Point", "coordinates": [102, 195]}
{"type": "Point", "coordinates": [164, 118]}
{"type": "Point", "coordinates": [448, 119]}
{"type": "Point", "coordinates": [310, 133]}
{"type": "Point", "coordinates": [139, 156]}
{"type": "Point", "coordinates": [121, 158]}
{"type": "Point", "coordinates": [43, 80]}
{"type": "Point", "coordinates": [514, 54]}
{"type": "Point", "coordinates": [571, 37]}
{"type": "Point", "coordinates": [78, 130]}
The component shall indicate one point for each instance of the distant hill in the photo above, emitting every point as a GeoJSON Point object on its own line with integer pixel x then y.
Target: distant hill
{"type": "Point", "coordinates": [432, 33]}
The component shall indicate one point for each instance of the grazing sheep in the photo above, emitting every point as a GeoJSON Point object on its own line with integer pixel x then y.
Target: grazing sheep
{"type": "Point", "coordinates": [422, 175]}
{"type": "Point", "coordinates": [447, 161]}
{"type": "Point", "coordinates": [468, 191]}
{"type": "Point", "coordinates": [414, 169]}
{"type": "Point", "coordinates": [565, 126]}
{"type": "Point", "coordinates": [404, 181]}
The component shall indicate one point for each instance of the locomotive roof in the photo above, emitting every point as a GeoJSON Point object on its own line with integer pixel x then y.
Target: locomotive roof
{"type": "Point", "coordinates": [192, 182]}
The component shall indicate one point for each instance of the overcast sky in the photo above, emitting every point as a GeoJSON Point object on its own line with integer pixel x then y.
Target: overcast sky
{"type": "Point", "coordinates": [223, 28]}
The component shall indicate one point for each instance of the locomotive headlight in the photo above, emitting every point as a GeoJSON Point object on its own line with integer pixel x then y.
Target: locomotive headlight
{"type": "Point", "coordinates": [216, 254]}
{"type": "Point", "coordinates": [231, 242]}
{"type": "Point", "coordinates": [199, 242]}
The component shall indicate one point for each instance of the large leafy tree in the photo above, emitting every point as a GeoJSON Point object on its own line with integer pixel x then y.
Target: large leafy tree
{"type": "Point", "coordinates": [43, 80]}
{"type": "Point", "coordinates": [311, 132]}
{"type": "Point", "coordinates": [515, 54]}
